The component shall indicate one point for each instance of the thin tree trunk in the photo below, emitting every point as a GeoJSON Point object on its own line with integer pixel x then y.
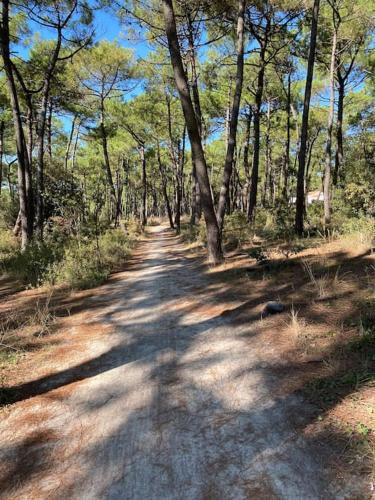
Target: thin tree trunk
{"type": "Point", "coordinates": [107, 165]}
{"type": "Point", "coordinates": [75, 147]}
{"type": "Point", "coordinates": [300, 200]}
{"type": "Point", "coordinates": [339, 133]}
{"type": "Point", "coordinates": [24, 172]}
{"type": "Point", "coordinates": [215, 254]}
{"type": "Point", "coordinates": [328, 150]}
{"type": "Point", "coordinates": [144, 186]}
{"type": "Point", "coordinates": [256, 126]}
{"type": "Point", "coordinates": [68, 146]}
{"type": "Point", "coordinates": [267, 195]}
{"type": "Point", "coordinates": [40, 132]}
{"type": "Point", "coordinates": [246, 165]}
{"type": "Point", "coordinates": [232, 136]}
{"type": "Point", "coordinates": [49, 129]}
{"type": "Point", "coordinates": [286, 162]}
{"type": "Point", "coordinates": [180, 173]}
{"type": "Point", "coordinates": [165, 191]}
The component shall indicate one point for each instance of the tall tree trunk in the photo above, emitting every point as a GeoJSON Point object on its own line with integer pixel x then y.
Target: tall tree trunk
{"type": "Point", "coordinates": [286, 160]}
{"type": "Point", "coordinates": [328, 150]}
{"type": "Point", "coordinates": [300, 200]}
{"type": "Point", "coordinates": [232, 137]}
{"type": "Point", "coordinates": [107, 165]}
{"type": "Point", "coordinates": [165, 191]}
{"type": "Point", "coordinates": [74, 154]}
{"type": "Point", "coordinates": [144, 185]}
{"type": "Point", "coordinates": [24, 172]}
{"type": "Point", "coordinates": [40, 132]}
{"type": "Point", "coordinates": [49, 129]}
{"type": "Point", "coordinates": [256, 126]}
{"type": "Point", "coordinates": [339, 133]}
{"type": "Point", "coordinates": [246, 166]}
{"type": "Point", "coordinates": [68, 146]}
{"type": "Point", "coordinates": [267, 195]}
{"type": "Point", "coordinates": [196, 209]}
{"type": "Point", "coordinates": [180, 180]}
{"type": "Point", "coordinates": [215, 254]}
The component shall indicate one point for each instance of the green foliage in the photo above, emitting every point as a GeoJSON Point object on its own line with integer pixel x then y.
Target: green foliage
{"type": "Point", "coordinates": [88, 263]}
{"type": "Point", "coordinates": [237, 230]}
{"type": "Point", "coordinates": [32, 267]}
{"type": "Point", "coordinates": [81, 267]}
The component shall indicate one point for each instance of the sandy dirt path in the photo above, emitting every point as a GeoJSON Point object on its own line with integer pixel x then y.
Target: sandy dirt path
{"type": "Point", "coordinates": [175, 400]}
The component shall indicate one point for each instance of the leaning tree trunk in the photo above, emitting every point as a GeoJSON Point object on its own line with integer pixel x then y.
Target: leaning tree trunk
{"type": "Point", "coordinates": [232, 135]}
{"type": "Point", "coordinates": [215, 254]}
{"type": "Point", "coordinates": [328, 151]}
{"type": "Point", "coordinates": [196, 211]}
{"type": "Point", "coordinates": [300, 201]}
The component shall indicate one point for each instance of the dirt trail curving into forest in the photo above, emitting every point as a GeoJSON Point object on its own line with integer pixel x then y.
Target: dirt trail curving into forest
{"type": "Point", "coordinates": [172, 394]}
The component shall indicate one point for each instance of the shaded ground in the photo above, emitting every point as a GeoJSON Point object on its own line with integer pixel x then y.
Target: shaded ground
{"type": "Point", "coordinates": [166, 383]}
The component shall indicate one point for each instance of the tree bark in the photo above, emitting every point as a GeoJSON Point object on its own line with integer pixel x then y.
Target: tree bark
{"type": "Point", "coordinates": [232, 136]}
{"type": "Point", "coordinates": [328, 150]}
{"type": "Point", "coordinates": [24, 171]}
{"type": "Point", "coordinates": [286, 161]}
{"type": "Point", "coordinates": [196, 211]}
{"type": "Point", "coordinates": [165, 191]}
{"type": "Point", "coordinates": [300, 200]}
{"type": "Point", "coordinates": [256, 126]}
{"type": "Point", "coordinates": [339, 158]}
{"type": "Point", "coordinates": [215, 254]}
{"type": "Point", "coordinates": [107, 164]}
{"type": "Point", "coordinates": [68, 146]}
{"type": "Point", "coordinates": [40, 133]}
{"type": "Point", "coordinates": [180, 180]}
{"type": "Point", "coordinates": [144, 185]}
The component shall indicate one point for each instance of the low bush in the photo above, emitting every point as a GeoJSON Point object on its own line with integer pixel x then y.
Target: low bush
{"type": "Point", "coordinates": [363, 227]}
{"type": "Point", "coordinates": [32, 267]}
{"type": "Point", "coordinates": [86, 264]}
{"type": "Point", "coordinates": [81, 267]}
{"type": "Point", "coordinates": [8, 244]}
{"type": "Point", "coordinates": [79, 262]}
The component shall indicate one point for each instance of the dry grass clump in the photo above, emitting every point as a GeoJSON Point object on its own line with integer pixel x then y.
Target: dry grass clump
{"type": "Point", "coordinates": [16, 329]}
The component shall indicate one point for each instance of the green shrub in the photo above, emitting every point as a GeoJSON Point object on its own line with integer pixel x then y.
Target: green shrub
{"type": "Point", "coordinates": [236, 229]}
{"type": "Point", "coordinates": [114, 248]}
{"type": "Point", "coordinates": [88, 263]}
{"type": "Point", "coordinates": [364, 227]}
{"type": "Point", "coordinates": [81, 267]}
{"type": "Point", "coordinates": [32, 266]}
{"type": "Point", "coordinates": [8, 244]}
{"type": "Point", "coordinates": [193, 233]}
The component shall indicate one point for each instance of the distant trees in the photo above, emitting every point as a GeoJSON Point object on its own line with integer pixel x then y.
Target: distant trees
{"type": "Point", "coordinates": [234, 107]}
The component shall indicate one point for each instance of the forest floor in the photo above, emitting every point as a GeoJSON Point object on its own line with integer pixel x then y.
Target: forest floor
{"type": "Point", "coordinates": [168, 382]}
